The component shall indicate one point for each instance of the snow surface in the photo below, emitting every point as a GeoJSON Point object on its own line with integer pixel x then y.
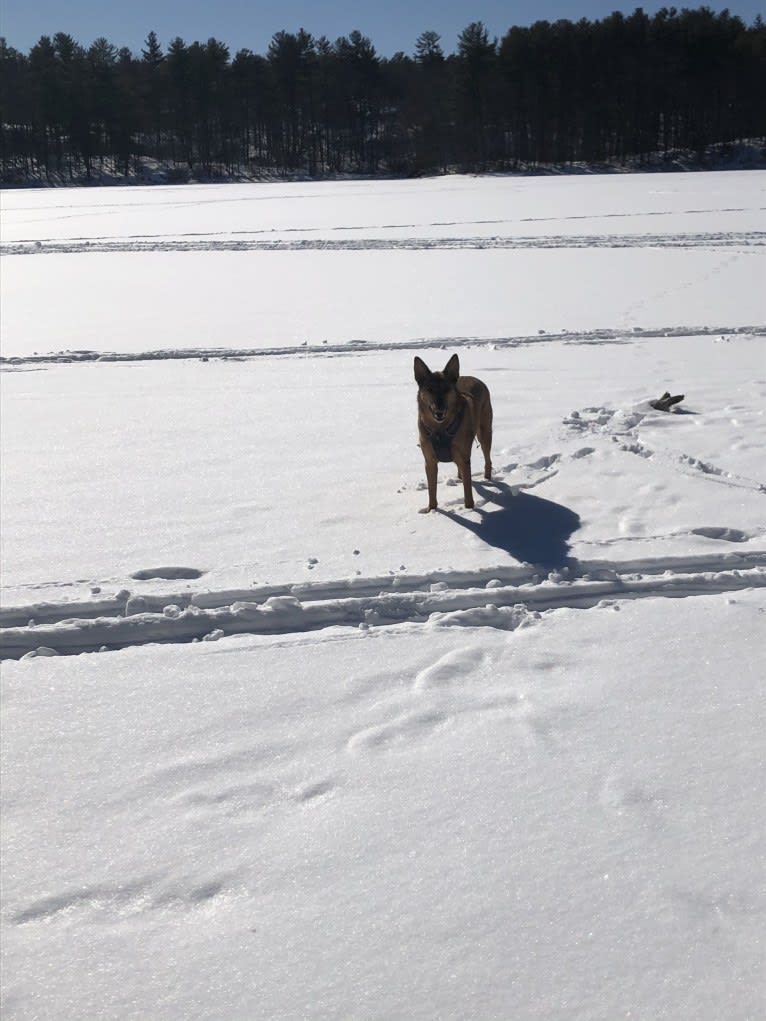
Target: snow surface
{"type": "Point", "coordinates": [384, 263]}
{"type": "Point", "coordinates": [416, 822]}
{"type": "Point", "coordinates": [496, 764]}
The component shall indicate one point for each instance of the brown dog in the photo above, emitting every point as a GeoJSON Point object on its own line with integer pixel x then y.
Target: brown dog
{"type": "Point", "coordinates": [453, 410]}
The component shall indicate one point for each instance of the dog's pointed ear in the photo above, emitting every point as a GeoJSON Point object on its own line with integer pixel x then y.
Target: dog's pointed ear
{"type": "Point", "coordinates": [422, 372]}
{"type": "Point", "coordinates": [452, 369]}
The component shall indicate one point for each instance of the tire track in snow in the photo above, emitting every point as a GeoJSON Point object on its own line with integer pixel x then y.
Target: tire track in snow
{"type": "Point", "coordinates": [207, 243]}
{"type": "Point", "coordinates": [507, 601]}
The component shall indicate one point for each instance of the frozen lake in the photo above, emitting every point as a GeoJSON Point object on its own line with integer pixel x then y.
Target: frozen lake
{"type": "Point", "coordinates": [338, 758]}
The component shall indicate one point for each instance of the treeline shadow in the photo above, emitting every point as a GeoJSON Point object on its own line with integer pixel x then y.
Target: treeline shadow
{"type": "Point", "coordinates": [528, 528]}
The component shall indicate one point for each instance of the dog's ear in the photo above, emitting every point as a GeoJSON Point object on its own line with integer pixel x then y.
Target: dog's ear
{"type": "Point", "coordinates": [422, 372]}
{"type": "Point", "coordinates": [452, 369]}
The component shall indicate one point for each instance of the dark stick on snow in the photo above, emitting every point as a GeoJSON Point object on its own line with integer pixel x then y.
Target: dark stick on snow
{"type": "Point", "coordinates": [665, 402]}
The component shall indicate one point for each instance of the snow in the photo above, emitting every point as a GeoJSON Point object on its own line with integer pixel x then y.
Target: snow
{"type": "Point", "coordinates": [408, 822]}
{"type": "Point", "coordinates": [276, 745]}
{"type": "Point", "coordinates": [463, 258]}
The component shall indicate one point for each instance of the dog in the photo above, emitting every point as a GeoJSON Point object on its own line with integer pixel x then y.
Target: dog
{"type": "Point", "coordinates": [453, 411]}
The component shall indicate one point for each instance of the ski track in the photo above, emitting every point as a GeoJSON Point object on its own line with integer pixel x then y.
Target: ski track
{"type": "Point", "coordinates": [511, 597]}
{"type": "Point", "coordinates": [211, 243]}
{"type": "Point", "coordinates": [67, 213]}
{"type": "Point", "coordinates": [597, 336]}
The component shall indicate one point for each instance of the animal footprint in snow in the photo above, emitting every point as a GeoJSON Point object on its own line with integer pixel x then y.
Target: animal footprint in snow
{"type": "Point", "coordinates": [621, 797]}
{"type": "Point", "coordinates": [103, 900]}
{"type": "Point", "coordinates": [167, 574]}
{"type": "Point", "coordinates": [235, 799]}
{"type": "Point", "coordinates": [544, 462]}
{"type": "Point", "coordinates": [724, 534]}
{"type": "Point", "coordinates": [635, 448]}
{"type": "Point", "coordinates": [403, 730]}
{"type": "Point", "coordinates": [589, 419]}
{"type": "Point", "coordinates": [313, 791]}
{"type": "Point", "coordinates": [452, 668]}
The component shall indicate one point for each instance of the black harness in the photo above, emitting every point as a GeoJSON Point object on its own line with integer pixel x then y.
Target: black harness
{"type": "Point", "coordinates": [441, 439]}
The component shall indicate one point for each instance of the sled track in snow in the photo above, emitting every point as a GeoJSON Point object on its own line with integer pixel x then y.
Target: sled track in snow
{"type": "Point", "coordinates": [505, 598]}
{"type": "Point", "coordinates": [212, 243]}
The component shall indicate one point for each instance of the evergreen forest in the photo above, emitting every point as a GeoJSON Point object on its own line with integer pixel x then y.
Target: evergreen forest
{"type": "Point", "coordinates": [612, 91]}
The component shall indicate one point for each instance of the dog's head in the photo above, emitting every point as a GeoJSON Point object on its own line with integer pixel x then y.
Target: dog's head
{"type": "Point", "coordinates": [437, 391]}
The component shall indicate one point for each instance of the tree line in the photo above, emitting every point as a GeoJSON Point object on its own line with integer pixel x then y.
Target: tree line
{"type": "Point", "coordinates": [604, 91]}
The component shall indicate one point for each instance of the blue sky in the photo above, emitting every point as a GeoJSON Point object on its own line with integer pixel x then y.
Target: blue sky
{"type": "Point", "coordinates": [391, 24]}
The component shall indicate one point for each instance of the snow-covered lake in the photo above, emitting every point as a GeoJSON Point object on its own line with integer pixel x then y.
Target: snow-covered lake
{"type": "Point", "coordinates": [500, 763]}
{"type": "Point", "coordinates": [441, 260]}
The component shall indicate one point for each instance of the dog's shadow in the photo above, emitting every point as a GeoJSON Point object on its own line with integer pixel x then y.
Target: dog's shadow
{"type": "Point", "coordinates": [528, 528]}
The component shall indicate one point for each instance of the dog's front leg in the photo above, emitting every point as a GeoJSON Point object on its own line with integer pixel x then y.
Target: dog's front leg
{"type": "Point", "coordinates": [464, 473]}
{"type": "Point", "coordinates": [432, 471]}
